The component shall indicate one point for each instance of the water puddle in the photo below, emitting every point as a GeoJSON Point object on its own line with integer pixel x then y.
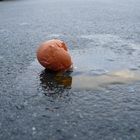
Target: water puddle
{"type": "Point", "coordinates": [36, 77]}
{"type": "Point", "coordinates": [105, 60]}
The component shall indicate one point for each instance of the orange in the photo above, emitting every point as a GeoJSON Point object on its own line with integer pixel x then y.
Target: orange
{"type": "Point", "coordinates": [53, 55]}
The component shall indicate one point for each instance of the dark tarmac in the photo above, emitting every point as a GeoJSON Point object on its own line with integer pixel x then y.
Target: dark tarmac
{"type": "Point", "coordinates": [100, 99]}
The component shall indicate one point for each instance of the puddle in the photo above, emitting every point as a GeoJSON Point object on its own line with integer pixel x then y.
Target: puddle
{"type": "Point", "coordinates": [104, 61]}
{"type": "Point", "coordinates": [51, 82]}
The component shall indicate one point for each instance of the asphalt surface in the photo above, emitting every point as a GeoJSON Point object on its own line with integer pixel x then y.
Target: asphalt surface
{"type": "Point", "coordinates": [103, 36]}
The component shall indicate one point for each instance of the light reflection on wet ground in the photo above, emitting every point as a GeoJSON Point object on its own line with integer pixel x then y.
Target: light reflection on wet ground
{"type": "Point", "coordinates": [55, 83]}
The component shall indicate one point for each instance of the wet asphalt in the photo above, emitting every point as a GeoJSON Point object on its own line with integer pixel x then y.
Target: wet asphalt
{"type": "Point", "coordinates": [102, 35]}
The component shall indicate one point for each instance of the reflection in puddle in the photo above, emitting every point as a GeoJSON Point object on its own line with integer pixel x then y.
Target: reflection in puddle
{"type": "Point", "coordinates": [60, 82]}
{"type": "Point", "coordinates": [96, 82]}
{"type": "Point", "coordinates": [53, 82]}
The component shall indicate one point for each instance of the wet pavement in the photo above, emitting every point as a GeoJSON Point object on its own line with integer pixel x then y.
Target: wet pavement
{"type": "Point", "coordinates": [99, 99]}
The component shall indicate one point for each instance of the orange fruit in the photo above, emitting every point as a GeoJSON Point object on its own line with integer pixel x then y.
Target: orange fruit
{"type": "Point", "coordinates": [53, 55]}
